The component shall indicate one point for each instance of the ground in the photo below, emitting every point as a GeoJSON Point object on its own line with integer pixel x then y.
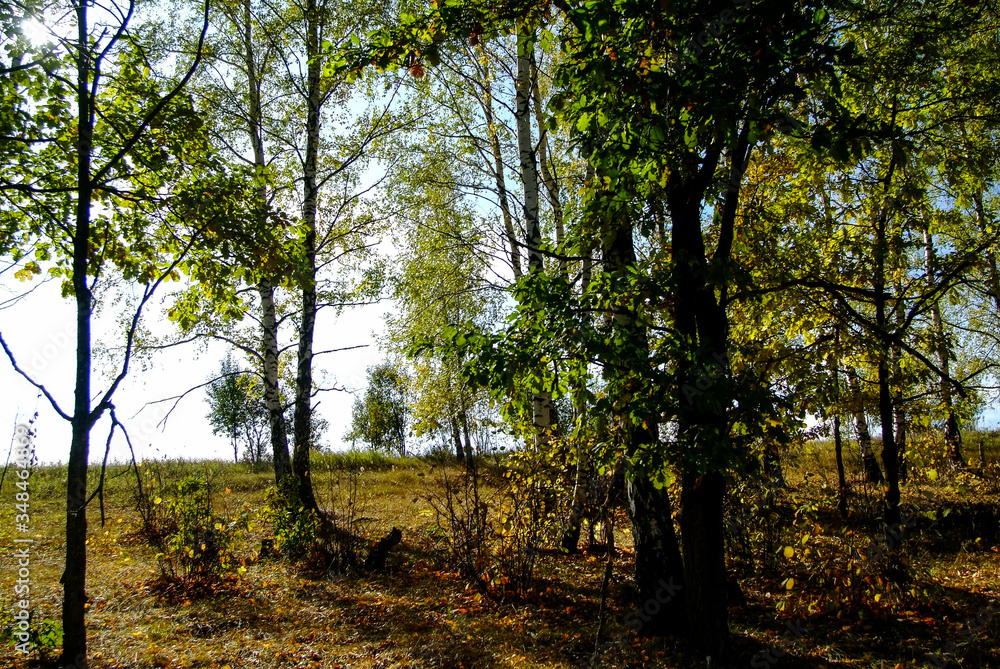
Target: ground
{"type": "Point", "coordinates": [815, 590]}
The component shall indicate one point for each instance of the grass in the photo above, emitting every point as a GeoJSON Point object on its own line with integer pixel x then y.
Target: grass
{"type": "Point", "coordinates": [421, 613]}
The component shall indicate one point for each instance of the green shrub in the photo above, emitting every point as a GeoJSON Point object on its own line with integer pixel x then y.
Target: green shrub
{"type": "Point", "coordinates": [202, 543]}
{"type": "Point", "coordinates": [296, 531]}
{"type": "Point", "coordinates": [44, 637]}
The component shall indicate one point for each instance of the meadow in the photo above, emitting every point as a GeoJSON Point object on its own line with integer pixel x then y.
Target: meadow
{"type": "Point", "coordinates": [809, 591]}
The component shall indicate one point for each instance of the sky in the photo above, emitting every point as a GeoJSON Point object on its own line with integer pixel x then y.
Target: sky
{"type": "Point", "coordinates": [41, 331]}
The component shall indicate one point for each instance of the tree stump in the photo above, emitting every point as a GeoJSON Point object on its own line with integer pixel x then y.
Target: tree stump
{"type": "Point", "coordinates": [380, 551]}
{"type": "Point", "coordinates": [266, 549]}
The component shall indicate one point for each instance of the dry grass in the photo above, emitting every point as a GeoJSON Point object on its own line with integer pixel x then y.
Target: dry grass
{"type": "Point", "coordinates": [420, 613]}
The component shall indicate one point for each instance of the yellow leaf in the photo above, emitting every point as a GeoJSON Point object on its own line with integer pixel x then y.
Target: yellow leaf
{"type": "Point", "coordinates": [789, 583]}
{"type": "Point", "coordinates": [789, 551]}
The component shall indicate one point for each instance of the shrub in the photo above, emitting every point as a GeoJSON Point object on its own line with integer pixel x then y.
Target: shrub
{"type": "Point", "coordinates": [201, 547]}
{"type": "Point", "coordinates": [494, 520]}
{"type": "Point", "coordinates": [44, 637]}
{"type": "Point", "coordinates": [296, 531]}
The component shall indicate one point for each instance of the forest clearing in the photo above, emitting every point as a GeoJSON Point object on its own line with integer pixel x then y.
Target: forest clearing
{"type": "Point", "coordinates": [421, 611]}
{"type": "Point", "coordinates": [555, 333]}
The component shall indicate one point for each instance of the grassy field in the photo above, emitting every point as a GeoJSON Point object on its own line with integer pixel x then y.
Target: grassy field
{"type": "Point", "coordinates": [814, 594]}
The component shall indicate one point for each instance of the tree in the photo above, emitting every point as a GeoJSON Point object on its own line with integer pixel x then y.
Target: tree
{"type": "Point", "coordinates": [236, 410]}
{"type": "Point", "coordinates": [155, 204]}
{"type": "Point", "coordinates": [379, 418]}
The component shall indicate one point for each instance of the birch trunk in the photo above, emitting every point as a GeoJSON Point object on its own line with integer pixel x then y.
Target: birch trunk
{"type": "Point", "coordinates": [498, 171]}
{"type": "Point", "coordinates": [548, 179]}
{"type": "Point", "coordinates": [265, 287]}
{"type": "Point", "coordinates": [541, 402]}
{"type": "Point", "coordinates": [873, 473]}
{"type": "Point", "coordinates": [952, 431]}
{"type": "Point", "coordinates": [303, 381]}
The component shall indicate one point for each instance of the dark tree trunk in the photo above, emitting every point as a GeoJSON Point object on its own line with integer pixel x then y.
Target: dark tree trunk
{"type": "Point", "coordinates": [873, 474]}
{"type": "Point", "coordinates": [889, 455]}
{"type": "Point", "coordinates": [659, 576]}
{"type": "Point", "coordinates": [704, 566]}
{"type": "Point", "coordinates": [886, 405]}
{"type": "Point", "coordinates": [74, 578]}
{"type": "Point", "coordinates": [838, 442]}
{"type": "Point", "coordinates": [307, 326]}
{"type": "Point", "coordinates": [659, 570]}
{"type": "Point", "coordinates": [838, 447]}
{"type": "Point", "coordinates": [571, 533]}
{"type": "Point", "coordinates": [456, 437]}
{"type": "Point", "coordinates": [700, 318]}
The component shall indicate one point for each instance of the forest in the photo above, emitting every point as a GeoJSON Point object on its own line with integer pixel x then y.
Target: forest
{"type": "Point", "coordinates": [690, 359]}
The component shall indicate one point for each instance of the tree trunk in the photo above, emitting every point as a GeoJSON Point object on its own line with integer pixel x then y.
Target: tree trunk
{"type": "Point", "coordinates": [303, 381]}
{"type": "Point", "coordinates": [456, 437]}
{"type": "Point", "coordinates": [838, 449]}
{"type": "Point", "coordinates": [890, 456]}
{"type": "Point", "coordinates": [571, 533]}
{"type": "Point", "coordinates": [548, 180]}
{"type": "Point", "coordinates": [265, 287]}
{"type": "Point", "coordinates": [704, 560]}
{"type": "Point", "coordinates": [272, 396]}
{"type": "Point", "coordinates": [74, 577]}
{"type": "Point", "coordinates": [873, 474]}
{"type": "Point", "coordinates": [838, 443]}
{"type": "Point", "coordinates": [658, 568]}
{"type": "Point", "coordinates": [993, 275]}
{"type": "Point", "coordinates": [699, 314]}
{"type": "Point", "coordinates": [898, 410]}
{"type": "Point", "coordinates": [952, 432]}
{"type": "Point", "coordinates": [498, 172]}
{"type": "Point", "coordinates": [464, 417]}
{"type": "Point", "coordinates": [541, 402]}
{"type": "Point", "coordinates": [660, 578]}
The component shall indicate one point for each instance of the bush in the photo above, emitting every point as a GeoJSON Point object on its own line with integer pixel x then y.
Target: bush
{"type": "Point", "coordinates": [200, 548]}
{"type": "Point", "coordinates": [494, 520]}
{"type": "Point", "coordinates": [296, 531]}
{"type": "Point", "coordinates": [44, 637]}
